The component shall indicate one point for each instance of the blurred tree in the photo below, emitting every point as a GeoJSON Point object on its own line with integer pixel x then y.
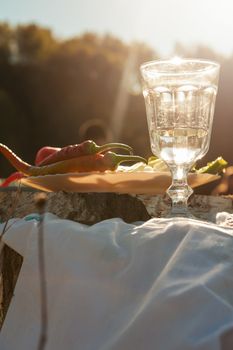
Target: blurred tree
{"type": "Point", "coordinates": [13, 131]}
{"type": "Point", "coordinates": [85, 81]}
{"type": "Point", "coordinates": [6, 36]}
{"type": "Point", "coordinates": [34, 42]}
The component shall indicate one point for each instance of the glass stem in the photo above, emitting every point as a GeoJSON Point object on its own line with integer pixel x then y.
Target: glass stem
{"type": "Point", "coordinates": [179, 191]}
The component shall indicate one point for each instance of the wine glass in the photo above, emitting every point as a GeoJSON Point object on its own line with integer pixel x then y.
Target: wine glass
{"type": "Point", "coordinates": [180, 98]}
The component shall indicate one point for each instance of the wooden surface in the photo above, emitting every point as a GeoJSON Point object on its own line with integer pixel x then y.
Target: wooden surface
{"type": "Point", "coordinates": [88, 208]}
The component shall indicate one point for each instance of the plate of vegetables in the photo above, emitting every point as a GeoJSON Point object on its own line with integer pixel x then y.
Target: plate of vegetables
{"type": "Point", "coordinates": [87, 167]}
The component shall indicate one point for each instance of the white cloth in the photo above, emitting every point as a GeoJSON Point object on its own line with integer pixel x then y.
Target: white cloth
{"type": "Point", "coordinates": [166, 284]}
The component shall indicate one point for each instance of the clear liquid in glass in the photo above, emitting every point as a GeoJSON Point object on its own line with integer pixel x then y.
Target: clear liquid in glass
{"type": "Point", "coordinates": [179, 145]}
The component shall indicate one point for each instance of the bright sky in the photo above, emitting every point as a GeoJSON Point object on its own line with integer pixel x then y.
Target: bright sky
{"type": "Point", "coordinates": [160, 23]}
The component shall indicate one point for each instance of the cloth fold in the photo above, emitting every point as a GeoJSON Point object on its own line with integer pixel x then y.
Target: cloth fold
{"type": "Point", "coordinates": [164, 284]}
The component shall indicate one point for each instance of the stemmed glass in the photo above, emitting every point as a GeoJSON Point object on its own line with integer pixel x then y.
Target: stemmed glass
{"type": "Point", "coordinates": [180, 98]}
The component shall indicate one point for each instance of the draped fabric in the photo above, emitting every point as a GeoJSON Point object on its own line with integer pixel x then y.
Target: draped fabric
{"type": "Point", "coordinates": [164, 284]}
